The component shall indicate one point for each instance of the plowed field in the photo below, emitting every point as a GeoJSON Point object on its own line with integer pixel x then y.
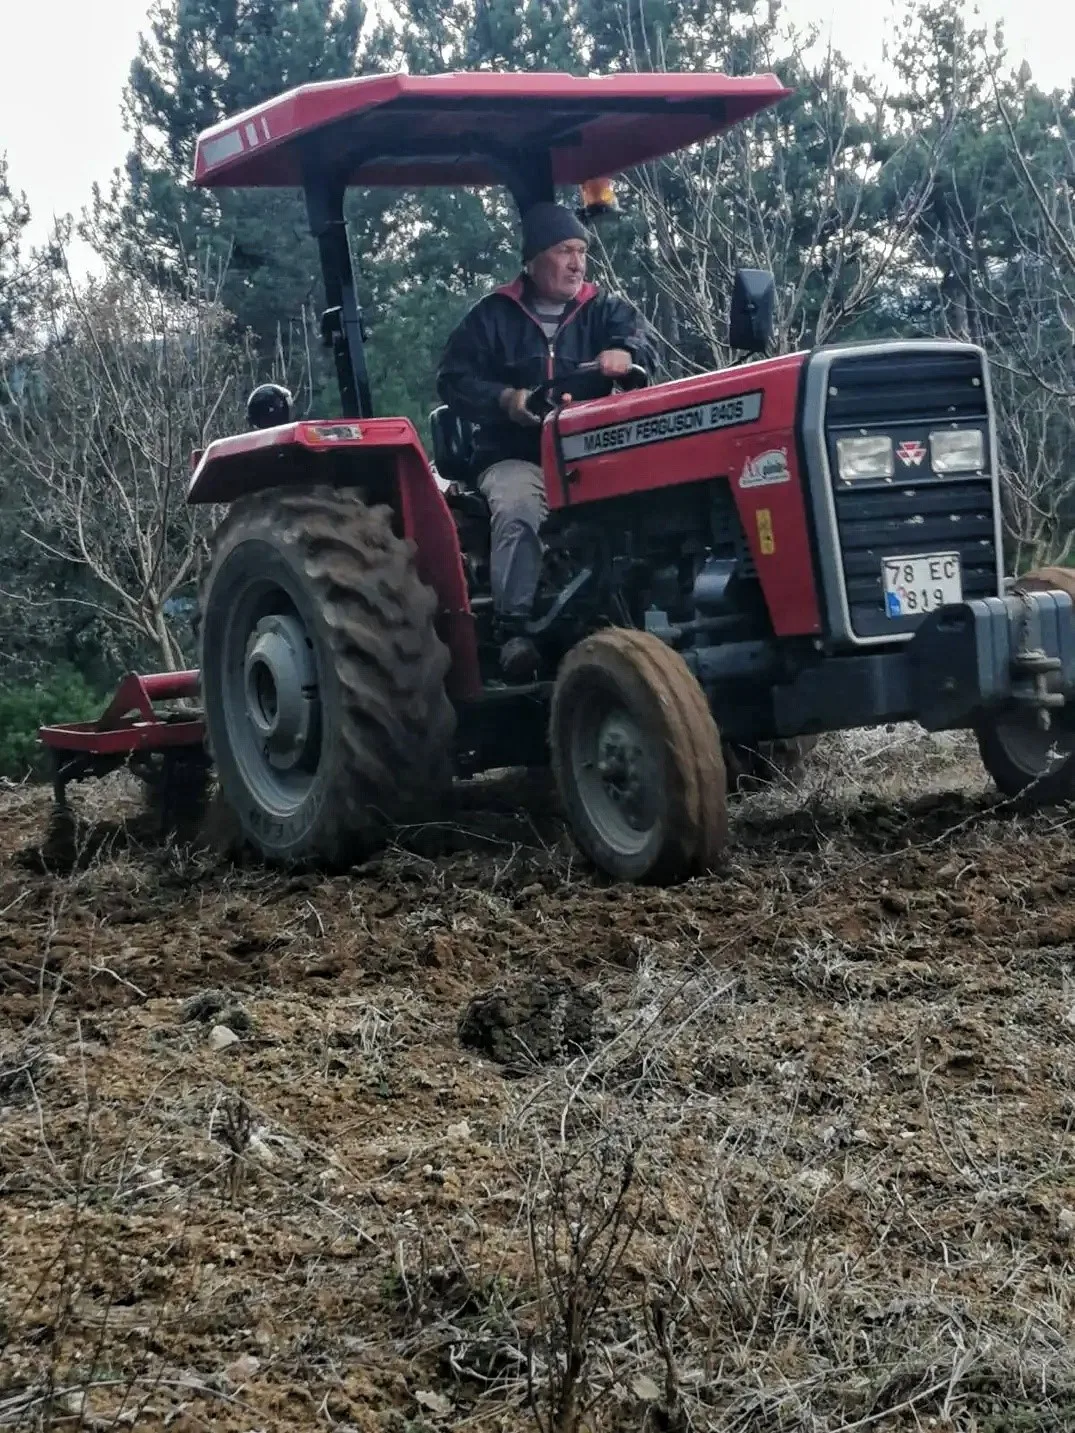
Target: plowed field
{"type": "Point", "coordinates": [474, 1139]}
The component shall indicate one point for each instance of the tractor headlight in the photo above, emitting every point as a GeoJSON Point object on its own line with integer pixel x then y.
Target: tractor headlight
{"type": "Point", "coordinates": [866, 457]}
{"type": "Point", "coordinates": [957, 450]}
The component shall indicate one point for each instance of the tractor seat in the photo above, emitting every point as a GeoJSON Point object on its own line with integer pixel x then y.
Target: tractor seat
{"type": "Point", "coordinates": [453, 445]}
{"type": "Point", "coordinates": [453, 457]}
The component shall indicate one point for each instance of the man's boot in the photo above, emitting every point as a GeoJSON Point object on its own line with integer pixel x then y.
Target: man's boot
{"type": "Point", "coordinates": [518, 654]}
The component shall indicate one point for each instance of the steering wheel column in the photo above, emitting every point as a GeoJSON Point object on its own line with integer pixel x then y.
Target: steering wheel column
{"type": "Point", "coordinates": [584, 385]}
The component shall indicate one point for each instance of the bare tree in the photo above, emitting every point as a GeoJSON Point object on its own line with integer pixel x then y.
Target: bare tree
{"type": "Point", "coordinates": [1015, 309]}
{"type": "Point", "coordinates": [1038, 482]}
{"type": "Point", "coordinates": [805, 194]}
{"type": "Point", "coordinates": [1035, 340]}
{"type": "Point", "coordinates": [1048, 235]}
{"type": "Point", "coordinates": [583, 1211]}
{"type": "Point", "coordinates": [97, 443]}
{"type": "Point", "coordinates": [1006, 279]}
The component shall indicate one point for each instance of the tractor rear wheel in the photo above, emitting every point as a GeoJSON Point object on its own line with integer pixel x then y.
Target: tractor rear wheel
{"type": "Point", "coordinates": [637, 759]}
{"type": "Point", "coordinates": [1014, 749]}
{"type": "Point", "coordinates": [322, 675]}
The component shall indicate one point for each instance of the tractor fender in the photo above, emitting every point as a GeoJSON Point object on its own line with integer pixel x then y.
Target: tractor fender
{"type": "Point", "coordinates": [384, 460]}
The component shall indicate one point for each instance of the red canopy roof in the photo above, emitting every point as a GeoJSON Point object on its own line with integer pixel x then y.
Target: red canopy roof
{"type": "Point", "coordinates": [413, 130]}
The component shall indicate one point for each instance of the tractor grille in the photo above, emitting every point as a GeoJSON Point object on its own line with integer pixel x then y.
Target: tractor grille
{"type": "Point", "coordinates": [917, 512]}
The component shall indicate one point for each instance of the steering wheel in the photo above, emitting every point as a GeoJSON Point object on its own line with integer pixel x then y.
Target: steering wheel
{"type": "Point", "coordinates": [586, 383]}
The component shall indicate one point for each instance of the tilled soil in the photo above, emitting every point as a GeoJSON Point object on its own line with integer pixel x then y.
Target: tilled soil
{"type": "Point", "coordinates": [473, 1138]}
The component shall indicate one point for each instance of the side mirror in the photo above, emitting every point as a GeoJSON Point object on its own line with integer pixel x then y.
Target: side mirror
{"type": "Point", "coordinates": [750, 322]}
{"type": "Point", "coordinates": [268, 406]}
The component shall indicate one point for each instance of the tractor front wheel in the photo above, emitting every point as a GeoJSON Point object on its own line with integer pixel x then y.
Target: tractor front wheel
{"type": "Point", "coordinates": [322, 675]}
{"type": "Point", "coordinates": [637, 759]}
{"type": "Point", "coordinates": [1016, 751]}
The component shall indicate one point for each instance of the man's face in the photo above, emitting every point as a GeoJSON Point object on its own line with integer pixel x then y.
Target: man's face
{"type": "Point", "coordinates": [558, 272]}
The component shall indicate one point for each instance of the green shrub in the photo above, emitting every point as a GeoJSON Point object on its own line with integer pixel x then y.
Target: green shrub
{"type": "Point", "coordinates": [64, 695]}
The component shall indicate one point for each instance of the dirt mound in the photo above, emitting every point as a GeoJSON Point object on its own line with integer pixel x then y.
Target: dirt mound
{"type": "Point", "coordinates": [786, 1148]}
{"type": "Point", "coordinates": [533, 1022]}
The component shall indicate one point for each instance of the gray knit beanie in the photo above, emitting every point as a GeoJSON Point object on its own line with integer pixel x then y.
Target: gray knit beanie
{"type": "Point", "coordinates": [547, 224]}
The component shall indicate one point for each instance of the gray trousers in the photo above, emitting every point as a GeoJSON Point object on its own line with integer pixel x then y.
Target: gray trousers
{"type": "Point", "coordinates": [515, 492]}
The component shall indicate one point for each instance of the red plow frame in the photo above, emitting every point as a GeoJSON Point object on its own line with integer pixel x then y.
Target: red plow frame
{"type": "Point", "coordinates": [131, 732]}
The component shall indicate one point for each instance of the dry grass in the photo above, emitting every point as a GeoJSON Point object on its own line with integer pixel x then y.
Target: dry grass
{"type": "Point", "coordinates": [813, 1170]}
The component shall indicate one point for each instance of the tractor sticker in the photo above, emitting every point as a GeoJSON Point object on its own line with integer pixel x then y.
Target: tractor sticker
{"type": "Point", "coordinates": [911, 452]}
{"type": "Point", "coordinates": [664, 427]}
{"type": "Point", "coordinates": [227, 146]}
{"type": "Point", "coordinates": [764, 518]}
{"type": "Point", "coordinates": [230, 143]}
{"type": "Point", "coordinates": [766, 468]}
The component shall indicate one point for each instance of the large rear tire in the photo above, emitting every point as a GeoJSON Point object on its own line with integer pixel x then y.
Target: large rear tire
{"type": "Point", "coordinates": [322, 676]}
{"type": "Point", "coordinates": [1015, 751]}
{"type": "Point", "coordinates": [637, 759]}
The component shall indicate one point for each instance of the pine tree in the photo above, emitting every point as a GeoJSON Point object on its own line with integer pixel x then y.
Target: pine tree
{"type": "Point", "coordinates": [421, 258]}
{"type": "Point", "coordinates": [202, 61]}
{"type": "Point", "coordinates": [14, 296]}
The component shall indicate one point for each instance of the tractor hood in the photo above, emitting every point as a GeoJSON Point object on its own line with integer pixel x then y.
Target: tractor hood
{"type": "Point", "coordinates": [410, 131]}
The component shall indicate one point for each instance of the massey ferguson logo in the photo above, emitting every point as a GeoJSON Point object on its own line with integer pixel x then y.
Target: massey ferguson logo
{"type": "Point", "coordinates": [911, 453]}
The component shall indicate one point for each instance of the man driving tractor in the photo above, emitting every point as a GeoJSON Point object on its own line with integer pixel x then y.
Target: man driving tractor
{"type": "Point", "coordinates": [543, 325]}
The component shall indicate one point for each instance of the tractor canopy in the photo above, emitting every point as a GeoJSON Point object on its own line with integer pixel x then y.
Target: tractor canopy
{"type": "Point", "coordinates": [410, 131]}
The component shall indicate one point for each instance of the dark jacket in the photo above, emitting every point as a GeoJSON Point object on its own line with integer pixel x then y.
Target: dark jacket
{"type": "Point", "coordinates": [500, 344]}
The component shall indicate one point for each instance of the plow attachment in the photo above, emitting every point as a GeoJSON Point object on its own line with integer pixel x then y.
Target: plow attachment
{"type": "Point", "coordinates": [165, 749]}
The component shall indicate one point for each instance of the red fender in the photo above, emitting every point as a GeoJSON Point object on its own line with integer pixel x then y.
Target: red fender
{"type": "Point", "coordinates": [384, 457]}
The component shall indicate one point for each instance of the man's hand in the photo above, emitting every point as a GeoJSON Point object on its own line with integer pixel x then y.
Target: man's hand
{"type": "Point", "coordinates": [614, 362]}
{"type": "Point", "coordinates": [513, 402]}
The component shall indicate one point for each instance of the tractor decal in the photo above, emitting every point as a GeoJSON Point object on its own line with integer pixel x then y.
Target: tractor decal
{"type": "Point", "coordinates": [665, 427]}
{"type": "Point", "coordinates": [766, 468]}
{"type": "Point", "coordinates": [227, 146]}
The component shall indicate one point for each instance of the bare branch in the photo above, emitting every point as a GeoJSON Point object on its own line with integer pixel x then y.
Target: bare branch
{"type": "Point", "coordinates": [127, 383]}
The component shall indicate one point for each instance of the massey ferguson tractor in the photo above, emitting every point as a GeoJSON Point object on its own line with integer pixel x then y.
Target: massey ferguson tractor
{"type": "Point", "coordinates": [734, 562]}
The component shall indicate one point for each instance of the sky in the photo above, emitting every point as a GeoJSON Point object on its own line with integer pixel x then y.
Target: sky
{"type": "Point", "coordinates": [63, 65]}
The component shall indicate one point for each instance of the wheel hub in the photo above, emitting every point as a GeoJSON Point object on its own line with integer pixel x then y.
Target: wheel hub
{"type": "Point", "coordinates": [280, 685]}
{"type": "Point", "coordinates": [621, 767]}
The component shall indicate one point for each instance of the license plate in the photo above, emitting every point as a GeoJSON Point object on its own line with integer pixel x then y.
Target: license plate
{"type": "Point", "coordinates": [914, 585]}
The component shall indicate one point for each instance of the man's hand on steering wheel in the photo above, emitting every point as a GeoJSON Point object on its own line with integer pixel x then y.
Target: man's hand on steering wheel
{"type": "Point", "coordinates": [614, 362]}
{"type": "Point", "coordinates": [514, 401]}
{"type": "Point", "coordinates": [588, 381]}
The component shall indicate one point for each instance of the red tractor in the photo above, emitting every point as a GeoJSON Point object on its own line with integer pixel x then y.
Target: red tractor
{"type": "Point", "coordinates": [796, 545]}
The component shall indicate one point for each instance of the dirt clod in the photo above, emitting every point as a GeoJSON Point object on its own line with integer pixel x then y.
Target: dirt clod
{"type": "Point", "coordinates": [217, 1005]}
{"type": "Point", "coordinates": [541, 1020]}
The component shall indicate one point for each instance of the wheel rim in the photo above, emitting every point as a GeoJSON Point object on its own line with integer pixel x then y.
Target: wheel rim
{"type": "Point", "coordinates": [1035, 752]}
{"type": "Point", "coordinates": [271, 700]}
{"type": "Point", "coordinates": [615, 775]}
